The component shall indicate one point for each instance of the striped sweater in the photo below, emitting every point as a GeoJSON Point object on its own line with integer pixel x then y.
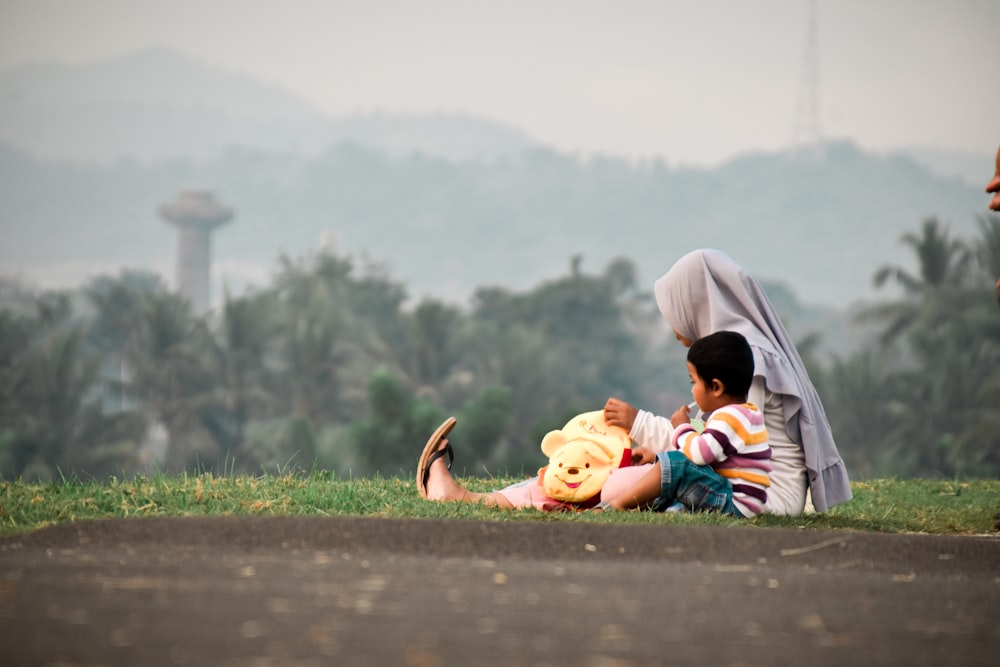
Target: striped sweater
{"type": "Point", "coordinates": [734, 443]}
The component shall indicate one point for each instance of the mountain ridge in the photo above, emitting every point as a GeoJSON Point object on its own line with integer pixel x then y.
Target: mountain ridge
{"type": "Point", "coordinates": [448, 202]}
{"type": "Point", "coordinates": [158, 103]}
{"type": "Point", "coordinates": [445, 227]}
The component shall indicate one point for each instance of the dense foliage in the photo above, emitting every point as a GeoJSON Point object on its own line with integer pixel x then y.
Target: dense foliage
{"type": "Point", "coordinates": [330, 368]}
{"type": "Point", "coordinates": [925, 399]}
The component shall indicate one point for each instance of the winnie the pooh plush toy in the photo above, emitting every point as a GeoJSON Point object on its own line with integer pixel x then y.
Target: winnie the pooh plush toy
{"type": "Point", "coordinates": [581, 456]}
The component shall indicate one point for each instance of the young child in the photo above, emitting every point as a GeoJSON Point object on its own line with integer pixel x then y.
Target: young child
{"type": "Point", "coordinates": [724, 468]}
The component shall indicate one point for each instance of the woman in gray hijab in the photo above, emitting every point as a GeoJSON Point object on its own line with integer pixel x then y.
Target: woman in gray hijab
{"type": "Point", "coordinates": [703, 292]}
{"type": "Point", "coordinates": [707, 291]}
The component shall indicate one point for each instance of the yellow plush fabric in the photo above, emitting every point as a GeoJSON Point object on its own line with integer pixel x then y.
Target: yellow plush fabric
{"type": "Point", "coordinates": [581, 456]}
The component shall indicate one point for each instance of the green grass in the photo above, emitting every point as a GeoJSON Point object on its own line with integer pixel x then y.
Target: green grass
{"type": "Point", "coordinates": [948, 507]}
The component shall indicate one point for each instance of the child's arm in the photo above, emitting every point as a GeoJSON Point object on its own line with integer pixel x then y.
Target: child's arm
{"type": "Point", "coordinates": [681, 416]}
{"type": "Point", "coordinates": [727, 432]}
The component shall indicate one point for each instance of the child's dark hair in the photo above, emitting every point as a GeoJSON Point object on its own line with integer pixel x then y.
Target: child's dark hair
{"type": "Point", "coordinates": [724, 356]}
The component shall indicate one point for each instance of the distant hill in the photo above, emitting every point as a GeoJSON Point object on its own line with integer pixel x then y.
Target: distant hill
{"type": "Point", "coordinates": [445, 227]}
{"type": "Point", "coordinates": [157, 104]}
{"type": "Point", "coordinates": [975, 168]}
{"type": "Point", "coordinates": [447, 202]}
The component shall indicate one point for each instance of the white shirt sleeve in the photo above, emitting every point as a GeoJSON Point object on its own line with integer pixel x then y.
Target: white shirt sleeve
{"type": "Point", "coordinates": [758, 392]}
{"type": "Point", "coordinates": [652, 431]}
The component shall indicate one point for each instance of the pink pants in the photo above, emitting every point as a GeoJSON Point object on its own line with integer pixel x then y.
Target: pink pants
{"type": "Point", "coordinates": [529, 493]}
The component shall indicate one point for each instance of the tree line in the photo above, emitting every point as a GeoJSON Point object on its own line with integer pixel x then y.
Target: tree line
{"type": "Point", "coordinates": [329, 367]}
{"type": "Point", "coordinates": [924, 398]}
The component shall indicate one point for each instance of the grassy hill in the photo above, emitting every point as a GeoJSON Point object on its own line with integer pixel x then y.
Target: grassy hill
{"type": "Point", "coordinates": [947, 507]}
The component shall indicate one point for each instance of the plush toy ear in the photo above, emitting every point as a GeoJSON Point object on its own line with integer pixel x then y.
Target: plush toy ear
{"type": "Point", "coordinates": [552, 441]}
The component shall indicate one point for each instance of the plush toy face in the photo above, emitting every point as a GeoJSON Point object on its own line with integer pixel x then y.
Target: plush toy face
{"type": "Point", "coordinates": [581, 456]}
{"type": "Point", "coordinates": [577, 472]}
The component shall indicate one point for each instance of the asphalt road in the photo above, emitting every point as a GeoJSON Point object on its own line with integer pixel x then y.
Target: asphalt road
{"type": "Point", "coordinates": [318, 591]}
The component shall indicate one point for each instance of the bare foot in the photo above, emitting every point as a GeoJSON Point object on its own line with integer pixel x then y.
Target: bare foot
{"type": "Point", "coordinates": [442, 486]}
{"type": "Point", "coordinates": [434, 480]}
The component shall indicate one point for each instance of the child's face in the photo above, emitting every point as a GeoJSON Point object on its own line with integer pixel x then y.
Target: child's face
{"type": "Point", "coordinates": [708, 397]}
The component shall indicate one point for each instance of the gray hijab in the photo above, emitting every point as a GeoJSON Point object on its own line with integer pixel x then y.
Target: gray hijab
{"type": "Point", "coordinates": [707, 291]}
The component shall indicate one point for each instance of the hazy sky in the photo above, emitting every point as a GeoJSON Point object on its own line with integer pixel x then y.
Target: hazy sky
{"type": "Point", "coordinates": [693, 82]}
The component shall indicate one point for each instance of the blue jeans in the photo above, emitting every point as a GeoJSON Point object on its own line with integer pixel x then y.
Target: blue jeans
{"type": "Point", "coordinates": [698, 488]}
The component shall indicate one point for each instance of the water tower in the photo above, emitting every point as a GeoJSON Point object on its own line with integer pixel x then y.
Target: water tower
{"type": "Point", "coordinates": [195, 213]}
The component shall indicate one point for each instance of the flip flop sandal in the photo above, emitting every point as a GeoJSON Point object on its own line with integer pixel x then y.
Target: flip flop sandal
{"type": "Point", "coordinates": [432, 453]}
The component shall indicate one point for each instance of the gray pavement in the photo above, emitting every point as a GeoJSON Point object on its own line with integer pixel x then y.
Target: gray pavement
{"type": "Point", "coordinates": [343, 591]}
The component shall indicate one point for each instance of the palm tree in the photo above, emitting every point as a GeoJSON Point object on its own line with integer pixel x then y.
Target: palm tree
{"type": "Point", "coordinates": [49, 385]}
{"type": "Point", "coordinates": [329, 338]}
{"type": "Point", "coordinates": [116, 305]}
{"type": "Point", "coordinates": [868, 410]}
{"type": "Point", "coordinates": [246, 333]}
{"type": "Point", "coordinates": [965, 392]}
{"type": "Point", "coordinates": [988, 250]}
{"type": "Point", "coordinates": [310, 338]}
{"type": "Point", "coordinates": [431, 328]}
{"type": "Point", "coordinates": [948, 389]}
{"type": "Point", "coordinates": [931, 296]}
{"type": "Point", "coordinates": [116, 302]}
{"type": "Point", "coordinates": [384, 438]}
{"type": "Point", "coordinates": [51, 415]}
{"type": "Point", "coordinates": [43, 378]}
{"type": "Point", "coordinates": [175, 375]}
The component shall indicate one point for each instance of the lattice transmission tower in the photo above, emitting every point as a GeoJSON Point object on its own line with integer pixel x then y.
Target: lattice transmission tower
{"type": "Point", "coordinates": [807, 134]}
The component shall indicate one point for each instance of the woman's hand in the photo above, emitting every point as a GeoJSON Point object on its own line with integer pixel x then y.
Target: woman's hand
{"type": "Point", "coordinates": [642, 455]}
{"type": "Point", "coordinates": [620, 413]}
{"type": "Point", "coordinates": [680, 416]}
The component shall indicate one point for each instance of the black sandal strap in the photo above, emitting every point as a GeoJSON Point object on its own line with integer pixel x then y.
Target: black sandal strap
{"type": "Point", "coordinates": [435, 456]}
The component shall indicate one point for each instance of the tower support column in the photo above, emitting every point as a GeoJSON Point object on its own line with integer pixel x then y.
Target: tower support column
{"type": "Point", "coordinates": [196, 214]}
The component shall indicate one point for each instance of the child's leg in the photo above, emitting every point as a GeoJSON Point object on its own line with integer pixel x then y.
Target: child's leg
{"type": "Point", "coordinates": [698, 488]}
{"type": "Point", "coordinates": [643, 492]}
{"type": "Point", "coordinates": [675, 478]}
{"type": "Point", "coordinates": [622, 479]}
